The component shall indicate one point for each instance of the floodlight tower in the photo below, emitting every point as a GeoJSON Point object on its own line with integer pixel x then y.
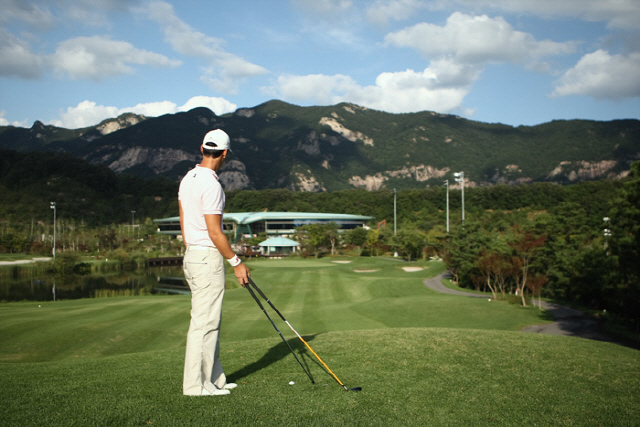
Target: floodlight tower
{"type": "Point", "coordinates": [460, 178]}
{"type": "Point", "coordinates": [53, 206]}
{"type": "Point", "coordinates": [395, 252]}
{"type": "Point", "coordinates": [446, 184]}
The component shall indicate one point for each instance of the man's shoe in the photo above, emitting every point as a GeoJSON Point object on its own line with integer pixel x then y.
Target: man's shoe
{"type": "Point", "coordinates": [230, 386]}
{"type": "Point", "coordinates": [217, 392]}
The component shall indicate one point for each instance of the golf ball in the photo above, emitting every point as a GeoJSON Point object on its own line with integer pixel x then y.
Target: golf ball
{"type": "Point", "coordinates": [291, 383]}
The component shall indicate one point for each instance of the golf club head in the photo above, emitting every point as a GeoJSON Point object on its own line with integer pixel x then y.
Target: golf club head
{"type": "Point", "coordinates": [356, 389]}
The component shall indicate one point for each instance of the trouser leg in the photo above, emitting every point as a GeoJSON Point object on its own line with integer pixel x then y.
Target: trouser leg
{"type": "Point", "coordinates": [204, 271]}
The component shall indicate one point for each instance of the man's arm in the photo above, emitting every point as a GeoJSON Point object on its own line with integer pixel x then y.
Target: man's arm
{"type": "Point", "coordinates": [182, 223]}
{"type": "Point", "coordinates": [214, 227]}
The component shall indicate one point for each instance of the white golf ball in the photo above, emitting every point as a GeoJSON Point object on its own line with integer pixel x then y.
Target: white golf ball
{"type": "Point", "coordinates": [291, 383]}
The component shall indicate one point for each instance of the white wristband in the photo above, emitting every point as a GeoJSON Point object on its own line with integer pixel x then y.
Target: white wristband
{"type": "Point", "coordinates": [234, 261]}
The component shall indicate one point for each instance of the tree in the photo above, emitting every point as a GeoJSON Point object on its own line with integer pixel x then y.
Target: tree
{"type": "Point", "coordinates": [356, 237]}
{"type": "Point", "coordinates": [525, 247]}
{"type": "Point", "coordinates": [494, 268]}
{"type": "Point", "coordinates": [410, 240]}
{"type": "Point", "coordinates": [624, 244]}
{"type": "Point", "coordinates": [535, 283]}
{"type": "Point", "coordinates": [315, 238]}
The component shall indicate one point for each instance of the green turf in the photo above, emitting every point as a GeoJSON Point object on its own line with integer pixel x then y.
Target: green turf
{"type": "Point", "coordinates": [422, 358]}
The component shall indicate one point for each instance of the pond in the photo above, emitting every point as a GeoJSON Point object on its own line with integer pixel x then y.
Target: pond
{"type": "Point", "coordinates": [51, 287]}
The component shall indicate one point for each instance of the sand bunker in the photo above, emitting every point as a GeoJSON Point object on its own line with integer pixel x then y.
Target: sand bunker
{"type": "Point", "coordinates": [365, 271]}
{"type": "Point", "coordinates": [342, 262]}
{"type": "Point", "coordinates": [411, 269]}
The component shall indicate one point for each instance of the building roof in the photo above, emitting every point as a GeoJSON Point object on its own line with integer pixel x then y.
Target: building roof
{"type": "Point", "coordinates": [251, 217]}
{"type": "Point", "coordinates": [279, 242]}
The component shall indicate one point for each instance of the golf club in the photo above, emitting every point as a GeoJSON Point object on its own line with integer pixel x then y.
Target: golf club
{"type": "Point", "coordinates": [279, 333]}
{"type": "Point", "coordinates": [252, 283]}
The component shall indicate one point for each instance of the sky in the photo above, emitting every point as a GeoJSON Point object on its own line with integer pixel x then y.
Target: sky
{"type": "Point", "coordinates": [74, 63]}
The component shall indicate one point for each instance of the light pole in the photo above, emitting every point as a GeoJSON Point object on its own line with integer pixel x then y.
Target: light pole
{"type": "Point", "coordinates": [460, 178]}
{"type": "Point", "coordinates": [606, 231]}
{"type": "Point", "coordinates": [395, 252]}
{"type": "Point", "coordinates": [446, 184]}
{"type": "Point", "coordinates": [53, 206]}
{"type": "Point", "coordinates": [394, 211]}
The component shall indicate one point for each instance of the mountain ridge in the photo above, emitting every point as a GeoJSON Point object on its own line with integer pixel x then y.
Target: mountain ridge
{"type": "Point", "coordinates": [328, 148]}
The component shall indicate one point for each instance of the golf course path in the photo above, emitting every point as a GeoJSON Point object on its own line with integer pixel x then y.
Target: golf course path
{"type": "Point", "coordinates": [435, 283]}
{"type": "Point", "coordinates": [567, 321]}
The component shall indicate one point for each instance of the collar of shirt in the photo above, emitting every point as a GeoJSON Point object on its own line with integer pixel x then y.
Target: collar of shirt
{"type": "Point", "coordinates": [207, 170]}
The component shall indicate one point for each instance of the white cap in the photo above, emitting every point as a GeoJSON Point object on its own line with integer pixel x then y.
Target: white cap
{"type": "Point", "coordinates": [216, 140]}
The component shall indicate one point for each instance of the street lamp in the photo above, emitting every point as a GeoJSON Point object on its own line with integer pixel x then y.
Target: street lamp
{"type": "Point", "coordinates": [606, 231]}
{"type": "Point", "coordinates": [460, 178]}
{"type": "Point", "coordinates": [53, 206]}
{"type": "Point", "coordinates": [394, 211]}
{"type": "Point", "coordinates": [446, 184]}
{"type": "Point", "coordinates": [395, 253]}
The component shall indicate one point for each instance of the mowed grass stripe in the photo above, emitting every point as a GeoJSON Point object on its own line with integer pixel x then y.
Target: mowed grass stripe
{"type": "Point", "coordinates": [60, 329]}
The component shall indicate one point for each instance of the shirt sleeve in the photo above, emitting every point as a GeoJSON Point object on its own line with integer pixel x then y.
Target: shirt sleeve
{"type": "Point", "coordinates": [213, 199]}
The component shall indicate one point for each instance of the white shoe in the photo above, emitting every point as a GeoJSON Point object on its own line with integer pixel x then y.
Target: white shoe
{"type": "Point", "coordinates": [229, 386]}
{"type": "Point", "coordinates": [218, 392]}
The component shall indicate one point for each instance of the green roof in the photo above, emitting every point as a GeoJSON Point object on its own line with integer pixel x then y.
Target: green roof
{"type": "Point", "coordinates": [279, 242]}
{"type": "Point", "coordinates": [251, 217]}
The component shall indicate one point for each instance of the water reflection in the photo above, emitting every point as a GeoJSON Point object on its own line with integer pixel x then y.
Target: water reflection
{"type": "Point", "coordinates": [52, 287]}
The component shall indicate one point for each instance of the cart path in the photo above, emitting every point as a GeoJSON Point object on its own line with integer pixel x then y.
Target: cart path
{"type": "Point", "coordinates": [567, 321]}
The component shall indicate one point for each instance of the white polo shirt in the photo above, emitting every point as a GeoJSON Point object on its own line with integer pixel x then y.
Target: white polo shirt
{"type": "Point", "coordinates": [200, 193]}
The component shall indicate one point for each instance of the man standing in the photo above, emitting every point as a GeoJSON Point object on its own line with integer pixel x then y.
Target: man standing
{"type": "Point", "coordinates": [201, 201]}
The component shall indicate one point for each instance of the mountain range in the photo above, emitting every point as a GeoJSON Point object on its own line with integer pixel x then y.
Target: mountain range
{"type": "Point", "coordinates": [279, 145]}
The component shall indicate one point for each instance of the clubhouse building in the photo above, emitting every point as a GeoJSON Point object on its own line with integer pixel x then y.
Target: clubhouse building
{"type": "Point", "coordinates": [274, 224]}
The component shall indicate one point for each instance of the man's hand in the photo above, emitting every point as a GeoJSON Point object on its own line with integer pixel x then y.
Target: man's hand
{"type": "Point", "coordinates": [242, 273]}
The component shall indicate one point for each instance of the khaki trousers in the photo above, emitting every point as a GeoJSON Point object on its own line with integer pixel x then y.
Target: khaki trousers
{"type": "Point", "coordinates": [204, 272]}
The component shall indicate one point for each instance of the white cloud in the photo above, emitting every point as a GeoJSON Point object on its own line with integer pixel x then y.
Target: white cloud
{"type": "Point", "coordinates": [381, 11]}
{"type": "Point", "coordinates": [36, 16]}
{"type": "Point", "coordinates": [623, 14]}
{"type": "Point", "coordinates": [458, 52]}
{"type": "Point", "coordinates": [43, 15]}
{"type": "Point", "coordinates": [316, 88]}
{"type": "Point", "coordinates": [217, 105]}
{"type": "Point", "coordinates": [88, 113]}
{"type": "Point", "coordinates": [441, 87]}
{"type": "Point", "coordinates": [602, 75]}
{"type": "Point", "coordinates": [5, 122]}
{"type": "Point", "coordinates": [409, 91]}
{"type": "Point", "coordinates": [17, 59]}
{"type": "Point", "coordinates": [223, 70]}
{"type": "Point", "coordinates": [97, 57]}
{"type": "Point", "coordinates": [476, 40]}
{"type": "Point", "coordinates": [325, 9]}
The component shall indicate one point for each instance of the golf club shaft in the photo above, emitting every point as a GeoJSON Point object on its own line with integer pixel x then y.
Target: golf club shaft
{"type": "Point", "coordinates": [279, 333]}
{"type": "Point", "coordinates": [295, 332]}
{"type": "Point", "coordinates": [316, 355]}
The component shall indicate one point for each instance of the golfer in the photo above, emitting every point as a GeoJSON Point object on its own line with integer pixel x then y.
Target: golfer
{"type": "Point", "coordinates": [201, 201]}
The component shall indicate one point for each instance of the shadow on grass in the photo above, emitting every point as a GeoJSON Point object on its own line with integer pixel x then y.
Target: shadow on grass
{"type": "Point", "coordinates": [277, 353]}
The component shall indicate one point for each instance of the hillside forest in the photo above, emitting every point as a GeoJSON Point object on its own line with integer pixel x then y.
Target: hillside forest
{"type": "Point", "coordinates": [577, 244]}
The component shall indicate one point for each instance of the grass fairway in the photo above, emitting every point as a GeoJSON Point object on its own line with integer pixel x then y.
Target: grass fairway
{"type": "Point", "coordinates": [422, 358]}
